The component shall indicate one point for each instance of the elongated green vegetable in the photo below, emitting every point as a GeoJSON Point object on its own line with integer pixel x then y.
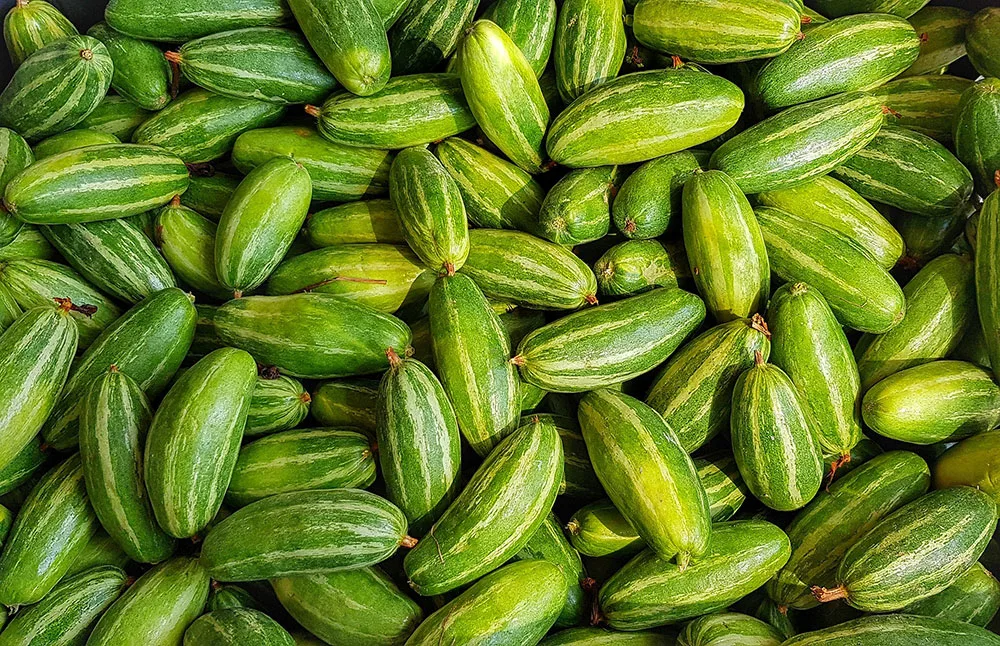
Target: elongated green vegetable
{"type": "Point", "coordinates": [988, 276]}
{"type": "Point", "coordinates": [29, 26]}
{"type": "Point", "coordinates": [589, 45]}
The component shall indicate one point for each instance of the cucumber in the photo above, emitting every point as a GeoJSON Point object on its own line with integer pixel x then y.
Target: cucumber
{"type": "Point", "coordinates": [117, 116]}
{"type": "Point", "coordinates": [974, 597]}
{"type": "Point", "coordinates": [939, 401]}
{"type": "Point", "coordinates": [837, 8]}
{"type": "Point", "coordinates": [649, 591]}
{"type": "Point", "coordinates": [199, 126]}
{"type": "Point", "coordinates": [15, 156]}
{"type": "Point", "coordinates": [187, 242]}
{"type": "Point", "coordinates": [56, 87]}
{"type": "Point", "coordinates": [427, 33]}
{"type": "Point", "coordinates": [980, 41]}
{"type": "Point", "coordinates": [589, 45]}
{"type": "Point", "coordinates": [838, 517]}
{"type": "Point", "coordinates": [729, 628]}
{"type": "Point", "coordinates": [365, 222]}
{"type": "Point", "coordinates": [639, 209]}
{"type": "Point", "coordinates": [371, 609]}
{"type": "Point", "coordinates": [350, 39]}
{"type": "Point", "coordinates": [577, 209]}
{"type": "Point", "coordinates": [96, 183]}
{"type": "Point", "coordinates": [232, 626]}
{"type": "Point", "coordinates": [716, 33]}
{"type": "Point", "coordinates": [178, 21]}
{"type": "Point", "coordinates": [141, 73]}
{"type": "Point", "coordinates": [647, 474]}
{"type": "Point", "coordinates": [915, 552]}
{"type": "Point", "coordinates": [630, 337]}
{"type": "Point", "coordinates": [265, 63]}
{"type": "Point", "coordinates": [859, 291]}
{"type": "Point", "coordinates": [653, 116]}
{"type": "Point", "coordinates": [29, 243]}
{"type": "Point", "coordinates": [836, 205]}
{"type": "Point", "coordinates": [346, 402]}
{"type": "Point", "coordinates": [343, 529]}
{"type": "Point", "coordinates": [988, 276]}
{"type": "Point", "coordinates": [277, 404]}
{"type": "Point", "coordinates": [29, 26]}
{"type": "Point", "coordinates": [604, 637]}
{"type": "Point", "coordinates": [301, 460]}
{"type": "Point", "coordinates": [942, 38]}
{"type": "Point", "coordinates": [147, 343]}
{"type": "Point", "coordinates": [72, 140]}
{"type": "Point", "coordinates": [209, 194]}
{"type": "Point", "coordinates": [549, 543]}
{"type": "Point", "coordinates": [898, 630]}
{"type": "Point", "coordinates": [339, 173]}
{"type": "Point", "coordinates": [157, 608]}
{"type": "Point", "coordinates": [313, 336]}
{"type": "Point", "coordinates": [494, 517]}
{"type": "Point", "coordinates": [940, 308]}
{"type": "Point", "coordinates": [100, 550]}
{"type": "Point", "coordinates": [970, 462]}
{"type": "Point", "coordinates": [926, 104]}
{"type": "Point", "coordinates": [693, 390]}
{"type": "Point", "coordinates": [636, 266]}
{"type": "Point", "coordinates": [975, 133]}
{"type": "Point", "coordinates": [21, 468]}
{"type": "Point", "coordinates": [516, 604]}
{"type": "Point", "coordinates": [808, 343]}
{"type": "Point", "coordinates": [800, 143]}
{"type": "Point", "coordinates": [531, 25]}
{"type": "Point", "coordinates": [724, 247]}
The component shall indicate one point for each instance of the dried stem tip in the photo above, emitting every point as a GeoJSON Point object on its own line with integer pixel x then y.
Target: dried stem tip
{"type": "Point", "coordinates": [312, 111]}
{"type": "Point", "coordinates": [394, 359]}
{"type": "Point", "coordinates": [758, 323]}
{"type": "Point", "coordinates": [758, 358]}
{"type": "Point", "coordinates": [824, 595]}
{"type": "Point", "coordinates": [408, 542]}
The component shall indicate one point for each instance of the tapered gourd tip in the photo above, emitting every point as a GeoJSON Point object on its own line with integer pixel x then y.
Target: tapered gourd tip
{"type": "Point", "coordinates": [518, 360]}
{"type": "Point", "coordinates": [22, 3]}
{"type": "Point", "coordinates": [805, 20]}
{"type": "Point", "coordinates": [305, 397]}
{"type": "Point", "coordinates": [113, 369]}
{"type": "Point", "coordinates": [996, 178]}
{"type": "Point", "coordinates": [758, 323]}
{"type": "Point", "coordinates": [312, 111]}
{"type": "Point", "coordinates": [675, 62]}
{"type": "Point", "coordinates": [237, 294]}
{"type": "Point", "coordinates": [591, 299]}
{"type": "Point", "coordinates": [801, 36]}
{"type": "Point", "coordinates": [630, 225]}
{"type": "Point", "coordinates": [66, 306]}
{"type": "Point", "coordinates": [449, 268]}
{"type": "Point", "coordinates": [173, 57]}
{"type": "Point", "coordinates": [758, 358]}
{"type": "Point", "coordinates": [842, 459]}
{"type": "Point", "coordinates": [826, 595]}
{"type": "Point", "coordinates": [87, 54]}
{"type": "Point", "coordinates": [394, 359]}
{"type": "Point", "coordinates": [683, 560]}
{"type": "Point", "coordinates": [408, 542]}
{"type": "Point", "coordinates": [887, 110]}
{"type": "Point", "coordinates": [175, 201]}
{"type": "Point", "coordinates": [573, 527]}
{"type": "Point", "coordinates": [783, 609]}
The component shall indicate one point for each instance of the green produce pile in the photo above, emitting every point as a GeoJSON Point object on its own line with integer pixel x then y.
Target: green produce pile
{"type": "Point", "coordinates": [448, 323]}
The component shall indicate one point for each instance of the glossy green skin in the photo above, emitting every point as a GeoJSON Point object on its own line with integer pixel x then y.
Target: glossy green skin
{"type": "Point", "coordinates": [946, 531]}
{"type": "Point", "coordinates": [729, 628]}
{"type": "Point", "coordinates": [49, 530]}
{"type": "Point", "coordinates": [836, 205]}
{"type": "Point", "coordinates": [800, 143]}
{"type": "Point", "coordinates": [679, 109]}
{"type": "Point", "coordinates": [141, 73]}
{"type": "Point", "coordinates": [100, 550]}
{"type": "Point", "coordinates": [971, 462]}
{"type": "Point", "coordinates": [693, 390]}
{"type": "Point", "coordinates": [515, 605]}
{"type": "Point", "coordinates": [233, 626]}
{"type": "Point", "coordinates": [838, 517]}
{"type": "Point", "coordinates": [636, 266]}
{"type": "Point", "coordinates": [346, 402]}
{"type": "Point", "coordinates": [15, 156]}
{"type": "Point", "coordinates": [56, 87]}
{"type": "Point", "coordinates": [927, 104]}
{"type": "Point", "coordinates": [114, 420]}
{"type": "Point", "coordinates": [28, 28]}
{"type": "Point", "coordinates": [178, 21]}
{"type": "Point", "coordinates": [808, 343]}
{"type": "Point", "coordinates": [531, 25]}
{"type": "Point", "coordinates": [927, 238]}
{"type": "Point", "coordinates": [838, 8]}
{"type": "Point", "coordinates": [427, 33]}
{"type": "Point", "coordinates": [209, 195]}
{"type": "Point", "coordinates": [578, 473]}
{"type": "Point", "coordinates": [116, 116]}
{"type": "Point", "coordinates": [147, 343]}
{"type": "Point", "coordinates": [301, 460]}
{"type": "Point", "coordinates": [365, 222]}
{"type": "Point", "coordinates": [639, 210]}
{"type": "Point", "coordinates": [604, 637]}
{"type": "Point", "coordinates": [981, 41]}
{"type": "Point", "coordinates": [72, 140]}
{"type": "Point", "coordinates": [589, 45]}
{"type": "Point", "coordinates": [187, 242]}
{"type": "Point", "coordinates": [649, 592]}
{"type": "Point", "coordinates": [724, 247]}
{"type": "Point", "coordinates": [304, 532]}
{"type": "Point", "coordinates": [898, 630]}
{"type": "Point", "coordinates": [974, 598]}
{"type": "Point", "coordinates": [264, 63]}
{"type": "Point", "coordinates": [859, 291]}
{"type": "Point", "coordinates": [940, 308]}
{"type": "Point", "coordinates": [988, 276]}
{"type": "Point", "coordinates": [497, 194]}
{"type": "Point", "coordinates": [976, 132]}
{"type": "Point", "coordinates": [229, 596]}
{"type": "Point", "coordinates": [578, 208]}
{"type": "Point", "coordinates": [157, 608]}
{"type": "Point", "coordinates": [9, 309]}
{"type": "Point", "coordinates": [372, 611]}
{"type": "Point", "coordinates": [494, 517]}
{"type": "Point", "coordinates": [549, 543]}
{"type": "Point", "coordinates": [942, 38]}
{"type": "Point", "coordinates": [22, 466]}
{"type": "Point", "coordinates": [933, 402]}
{"type": "Point", "coordinates": [29, 243]}
{"type": "Point", "coordinates": [276, 405]}
{"type": "Point", "coordinates": [609, 344]}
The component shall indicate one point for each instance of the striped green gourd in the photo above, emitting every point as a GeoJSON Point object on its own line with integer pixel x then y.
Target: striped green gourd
{"type": "Point", "coordinates": [72, 140]}
{"type": "Point", "coordinates": [339, 173]}
{"type": "Point", "coordinates": [278, 403]}
{"type": "Point", "coordinates": [9, 309]}
{"type": "Point", "coordinates": [497, 194]}
{"type": "Point", "coordinates": [233, 626]}
{"type": "Point", "coordinates": [836, 205]}
{"type": "Point", "coordinates": [974, 597]}
{"type": "Point", "coordinates": [724, 247]}
{"type": "Point", "coordinates": [372, 610]}
{"type": "Point", "coordinates": [503, 94]}
{"type": "Point", "coordinates": [640, 116]}
{"type": "Point", "coordinates": [147, 343]}
{"type": "Point", "coordinates": [723, 484]}
{"type": "Point", "coordinates": [206, 338]}
{"type": "Point", "coordinates": [589, 45]}
{"type": "Point", "coordinates": [531, 25]}
{"type": "Point", "coordinates": [114, 420]}
{"type": "Point", "coordinates": [385, 277]}
{"type": "Point", "coordinates": [48, 532]}
{"type": "Point", "coordinates": [970, 462]}
{"type": "Point", "coordinates": [346, 402]}
{"type": "Point", "coordinates": [200, 126]}
{"type": "Point", "coordinates": [838, 517]}
{"type": "Point", "coordinates": [301, 460]}
{"type": "Point", "coordinates": [640, 210]}
{"type": "Point", "coordinates": [808, 343]}
{"type": "Point", "coordinates": [56, 87]}
{"type": "Point", "coordinates": [927, 104]}
{"type": "Point", "coordinates": [577, 209]}
{"type": "Point", "coordinates": [15, 156]}
{"type": "Point", "coordinates": [649, 591]}
{"type": "Point", "coordinates": [909, 171]}
{"type": "Point", "coordinates": [409, 111]}
{"type": "Point", "coordinates": [716, 33]}
{"type": "Point", "coordinates": [31, 25]}
{"type": "Point", "coordinates": [898, 630]}
{"type": "Point", "coordinates": [942, 38]}
{"type": "Point", "coordinates": [419, 445]}
{"type": "Point", "coordinates": [520, 268]}
{"type": "Point", "coordinates": [981, 42]}
{"type": "Point", "coordinates": [593, 636]}
{"type": "Point", "coordinates": [578, 472]}
{"type": "Point", "coordinates": [347, 529]}
{"type": "Point", "coordinates": [187, 243]}
{"type": "Point", "coordinates": [609, 344]}
{"type": "Point", "coordinates": [939, 401]}
{"type": "Point", "coordinates": [21, 468]}
{"type": "Point", "coordinates": [65, 615]}
{"type": "Point", "coordinates": [940, 308]}
{"type": "Point", "coordinates": [141, 73]}
{"type": "Point", "coordinates": [28, 243]}
{"type": "Point", "coordinates": [636, 266]}
{"type": "Point", "coordinates": [265, 63]}
{"type": "Point", "coordinates": [988, 276]}
{"type": "Point", "coordinates": [693, 390]}
{"type": "Point", "coordinates": [208, 193]}
{"type": "Point", "coordinates": [230, 596]}
{"type": "Point", "coordinates": [647, 474]}
{"type": "Point", "coordinates": [861, 293]}
{"type": "Point", "coordinates": [100, 550]}
{"type": "Point", "coordinates": [915, 552]}
{"type": "Point", "coordinates": [96, 183]}
{"type": "Point", "coordinates": [518, 603]}
{"type": "Point", "coordinates": [157, 608]}
{"type": "Point", "coordinates": [116, 116]}
{"type": "Point", "coordinates": [729, 628]}
{"type": "Point", "coordinates": [178, 21]}
{"type": "Point", "coordinates": [427, 33]}
{"type": "Point", "coordinates": [549, 543]}
{"type": "Point", "coordinates": [976, 133]}
{"type": "Point", "coordinates": [800, 143]}
{"type": "Point", "coordinates": [838, 8]}
{"type": "Point", "coordinates": [364, 222]}
{"type": "Point", "coordinates": [494, 517]}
